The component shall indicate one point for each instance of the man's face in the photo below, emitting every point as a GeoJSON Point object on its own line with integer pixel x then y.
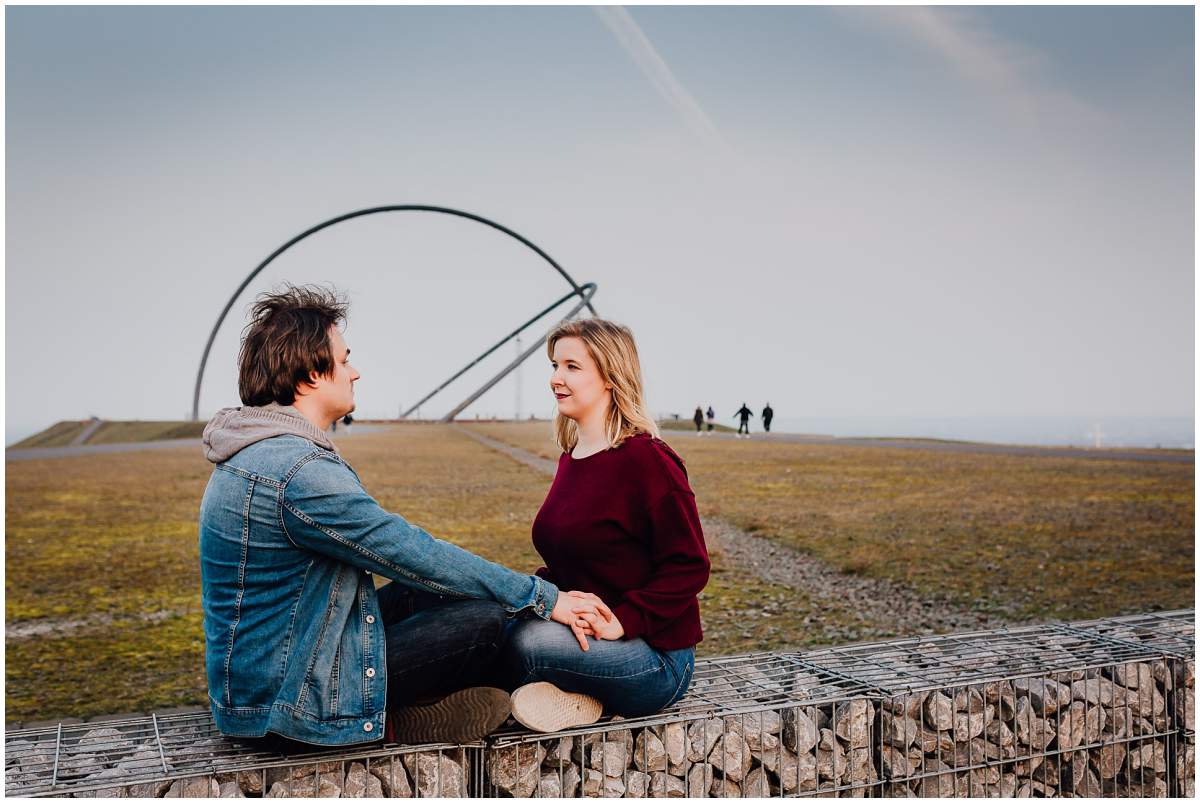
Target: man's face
{"type": "Point", "coordinates": [335, 393]}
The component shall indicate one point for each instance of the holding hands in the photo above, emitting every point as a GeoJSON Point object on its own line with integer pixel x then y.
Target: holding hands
{"type": "Point", "coordinates": [586, 615]}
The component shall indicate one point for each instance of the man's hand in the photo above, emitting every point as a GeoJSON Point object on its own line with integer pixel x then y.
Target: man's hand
{"type": "Point", "coordinates": [596, 618]}
{"type": "Point", "coordinates": [564, 615]}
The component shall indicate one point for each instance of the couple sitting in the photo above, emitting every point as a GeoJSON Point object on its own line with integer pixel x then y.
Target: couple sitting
{"type": "Point", "coordinates": [302, 648]}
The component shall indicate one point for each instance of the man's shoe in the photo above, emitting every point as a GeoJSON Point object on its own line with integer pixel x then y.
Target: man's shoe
{"type": "Point", "coordinates": [464, 716]}
{"type": "Point", "coordinates": [545, 708]}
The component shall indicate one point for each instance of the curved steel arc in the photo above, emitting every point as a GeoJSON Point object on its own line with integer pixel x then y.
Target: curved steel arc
{"type": "Point", "coordinates": [444, 210]}
{"type": "Point", "coordinates": [586, 302]}
{"type": "Point", "coordinates": [586, 287]}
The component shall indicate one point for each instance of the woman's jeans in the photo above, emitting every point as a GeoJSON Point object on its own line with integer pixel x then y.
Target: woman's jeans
{"type": "Point", "coordinates": [629, 677]}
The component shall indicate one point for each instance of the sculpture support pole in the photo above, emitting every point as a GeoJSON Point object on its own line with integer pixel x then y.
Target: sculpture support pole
{"type": "Point", "coordinates": [589, 287]}
{"type": "Point", "coordinates": [349, 216]}
{"type": "Point", "coordinates": [586, 302]}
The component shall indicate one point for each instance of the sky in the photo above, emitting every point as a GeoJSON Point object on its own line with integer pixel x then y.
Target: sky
{"type": "Point", "coordinates": [888, 212]}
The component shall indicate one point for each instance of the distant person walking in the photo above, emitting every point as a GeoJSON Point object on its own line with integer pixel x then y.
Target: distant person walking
{"type": "Point", "coordinates": [767, 415]}
{"type": "Point", "coordinates": [346, 422]}
{"type": "Point", "coordinates": [699, 419]}
{"type": "Point", "coordinates": [711, 416]}
{"type": "Point", "coordinates": [744, 414]}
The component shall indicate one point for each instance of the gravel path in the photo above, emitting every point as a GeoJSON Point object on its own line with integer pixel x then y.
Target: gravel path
{"type": "Point", "coordinates": [874, 603]}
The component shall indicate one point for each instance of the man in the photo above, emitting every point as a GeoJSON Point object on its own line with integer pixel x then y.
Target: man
{"type": "Point", "coordinates": [767, 415]}
{"type": "Point", "coordinates": [299, 644]}
{"type": "Point", "coordinates": [698, 420]}
{"type": "Point", "coordinates": [743, 415]}
{"type": "Point", "coordinates": [711, 417]}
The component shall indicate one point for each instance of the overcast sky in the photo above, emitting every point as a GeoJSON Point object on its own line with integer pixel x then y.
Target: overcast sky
{"type": "Point", "coordinates": [877, 212]}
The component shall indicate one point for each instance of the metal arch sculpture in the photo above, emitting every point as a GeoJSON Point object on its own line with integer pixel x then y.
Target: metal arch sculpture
{"type": "Point", "coordinates": [584, 292]}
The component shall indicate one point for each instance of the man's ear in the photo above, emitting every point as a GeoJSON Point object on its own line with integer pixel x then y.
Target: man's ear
{"type": "Point", "coordinates": [303, 388]}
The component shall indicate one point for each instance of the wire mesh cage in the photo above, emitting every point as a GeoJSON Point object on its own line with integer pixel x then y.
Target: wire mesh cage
{"type": "Point", "coordinates": [1103, 708]}
{"type": "Point", "coordinates": [185, 756]}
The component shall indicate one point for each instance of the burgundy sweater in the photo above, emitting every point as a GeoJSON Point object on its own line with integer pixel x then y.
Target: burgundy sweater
{"type": "Point", "coordinates": [622, 524]}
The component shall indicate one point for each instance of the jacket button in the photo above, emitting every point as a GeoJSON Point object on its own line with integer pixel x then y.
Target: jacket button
{"type": "Point", "coordinates": [370, 619]}
{"type": "Point", "coordinates": [368, 727]}
{"type": "Point", "coordinates": [370, 671]}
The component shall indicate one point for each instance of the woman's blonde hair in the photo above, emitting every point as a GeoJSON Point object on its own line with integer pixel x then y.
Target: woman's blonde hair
{"type": "Point", "coordinates": [612, 348]}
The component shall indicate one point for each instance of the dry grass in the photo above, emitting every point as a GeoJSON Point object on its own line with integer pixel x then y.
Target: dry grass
{"type": "Point", "coordinates": [1027, 537]}
{"type": "Point", "coordinates": [117, 534]}
{"type": "Point", "coordinates": [142, 431]}
{"type": "Point", "coordinates": [59, 434]}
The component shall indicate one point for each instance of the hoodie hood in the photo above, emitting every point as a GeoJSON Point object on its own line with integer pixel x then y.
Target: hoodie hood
{"type": "Point", "coordinates": [234, 428]}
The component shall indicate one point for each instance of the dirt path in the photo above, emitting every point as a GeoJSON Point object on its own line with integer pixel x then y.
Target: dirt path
{"type": "Point", "coordinates": [877, 606]}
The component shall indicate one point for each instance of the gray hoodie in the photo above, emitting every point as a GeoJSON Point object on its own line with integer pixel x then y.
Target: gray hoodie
{"type": "Point", "coordinates": [234, 428]}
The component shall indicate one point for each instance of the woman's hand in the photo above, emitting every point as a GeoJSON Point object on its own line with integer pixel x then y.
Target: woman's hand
{"type": "Point", "coordinates": [595, 618]}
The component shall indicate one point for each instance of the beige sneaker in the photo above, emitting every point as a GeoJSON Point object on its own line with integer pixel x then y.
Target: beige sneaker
{"type": "Point", "coordinates": [545, 708]}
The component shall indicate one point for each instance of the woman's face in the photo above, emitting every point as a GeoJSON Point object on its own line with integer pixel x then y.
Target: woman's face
{"type": "Point", "coordinates": [576, 381]}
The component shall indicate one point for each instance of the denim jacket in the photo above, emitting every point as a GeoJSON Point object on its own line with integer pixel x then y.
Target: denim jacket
{"type": "Point", "coordinates": [294, 641]}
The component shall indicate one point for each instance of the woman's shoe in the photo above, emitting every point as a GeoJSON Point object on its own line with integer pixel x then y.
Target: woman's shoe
{"type": "Point", "coordinates": [545, 708]}
{"type": "Point", "coordinates": [464, 716]}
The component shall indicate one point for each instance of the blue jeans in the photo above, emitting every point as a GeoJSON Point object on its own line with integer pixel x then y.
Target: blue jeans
{"type": "Point", "coordinates": [629, 677]}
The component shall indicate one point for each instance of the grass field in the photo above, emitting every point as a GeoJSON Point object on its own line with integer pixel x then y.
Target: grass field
{"type": "Point", "coordinates": [116, 534]}
{"type": "Point", "coordinates": [1027, 537]}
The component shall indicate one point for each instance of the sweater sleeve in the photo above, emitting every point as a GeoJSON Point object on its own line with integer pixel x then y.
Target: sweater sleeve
{"type": "Point", "coordinates": [680, 568]}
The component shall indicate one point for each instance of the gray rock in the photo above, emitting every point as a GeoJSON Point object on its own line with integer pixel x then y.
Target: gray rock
{"type": "Point", "coordinates": [592, 782]}
{"type": "Point", "coordinates": [674, 739]}
{"type": "Point", "coordinates": [570, 777]}
{"type": "Point", "coordinates": [392, 776]}
{"type": "Point", "coordinates": [898, 730]}
{"type": "Point", "coordinates": [792, 771]}
{"type": "Point", "coordinates": [894, 763]}
{"type": "Point", "coordinates": [852, 722]}
{"type": "Point", "coordinates": [117, 775]}
{"type": "Point", "coordinates": [939, 711]}
{"type": "Point", "coordinates": [831, 758]}
{"type": "Point", "coordinates": [1046, 695]}
{"type": "Point", "coordinates": [1029, 727]}
{"type": "Point", "coordinates": [665, 785]}
{"type": "Point", "coordinates": [195, 787]}
{"type": "Point", "coordinates": [550, 785]}
{"type": "Point", "coordinates": [558, 751]}
{"type": "Point", "coordinates": [435, 774]}
{"type": "Point", "coordinates": [637, 784]}
{"type": "Point", "coordinates": [725, 787]}
{"type": "Point", "coordinates": [756, 784]}
{"type": "Point", "coordinates": [699, 780]}
{"type": "Point", "coordinates": [612, 786]}
{"type": "Point", "coordinates": [649, 753]}
{"type": "Point", "coordinates": [968, 726]}
{"type": "Point", "coordinates": [703, 735]}
{"type": "Point", "coordinates": [800, 732]}
{"type": "Point", "coordinates": [731, 755]}
{"type": "Point", "coordinates": [360, 783]}
{"type": "Point", "coordinates": [249, 781]}
{"type": "Point", "coordinates": [516, 770]}
{"type": "Point", "coordinates": [230, 789]}
{"type": "Point", "coordinates": [611, 758]}
{"type": "Point", "coordinates": [862, 766]}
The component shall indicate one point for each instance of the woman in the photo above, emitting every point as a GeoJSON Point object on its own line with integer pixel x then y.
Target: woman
{"type": "Point", "coordinates": [620, 525]}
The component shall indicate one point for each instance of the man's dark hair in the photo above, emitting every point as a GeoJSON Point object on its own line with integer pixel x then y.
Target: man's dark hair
{"type": "Point", "coordinates": [287, 339]}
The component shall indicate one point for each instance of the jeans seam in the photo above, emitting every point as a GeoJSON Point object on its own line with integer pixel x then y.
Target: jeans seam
{"type": "Point", "coordinates": [536, 669]}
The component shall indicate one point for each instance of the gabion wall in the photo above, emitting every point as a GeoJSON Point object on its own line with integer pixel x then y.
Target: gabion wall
{"type": "Point", "coordinates": [1095, 709]}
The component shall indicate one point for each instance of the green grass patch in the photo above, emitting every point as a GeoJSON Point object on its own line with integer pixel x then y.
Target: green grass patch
{"type": "Point", "coordinates": [123, 668]}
